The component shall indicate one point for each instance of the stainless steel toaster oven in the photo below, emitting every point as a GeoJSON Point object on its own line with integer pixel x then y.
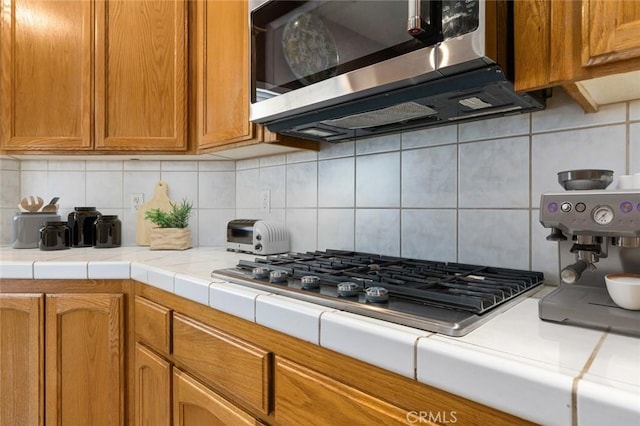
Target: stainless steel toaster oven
{"type": "Point", "coordinates": [257, 237]}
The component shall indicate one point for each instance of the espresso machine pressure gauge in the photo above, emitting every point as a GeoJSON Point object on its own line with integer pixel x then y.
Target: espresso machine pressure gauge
{"type": "Point", "coordinates": [603, 215]}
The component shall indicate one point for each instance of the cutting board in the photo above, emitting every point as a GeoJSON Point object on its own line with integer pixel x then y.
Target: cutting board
{"type": "Point", "coordinates": [160, 201]}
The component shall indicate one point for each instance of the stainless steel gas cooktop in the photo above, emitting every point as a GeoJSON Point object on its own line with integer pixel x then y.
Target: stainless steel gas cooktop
{"type": "Point", "coordinates": [443, 297]}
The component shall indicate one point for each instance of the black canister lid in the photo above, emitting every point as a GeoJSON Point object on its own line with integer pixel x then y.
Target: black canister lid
{"type": "Point", "coordinates": [54, 223]}
{"type": "Point", "coordinates": [84, 209]}
{"type": "Point", "coordinates": [107, 217]}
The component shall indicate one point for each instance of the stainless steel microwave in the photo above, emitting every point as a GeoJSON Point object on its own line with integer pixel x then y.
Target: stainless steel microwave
{"type": "Point", "coordinates": [338, 69]}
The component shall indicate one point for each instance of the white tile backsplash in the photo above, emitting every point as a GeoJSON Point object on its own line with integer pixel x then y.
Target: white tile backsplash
{"type": "Point", "coordinates": [429, 234]}
{"type": "Point", "coordinates": [336, 183]}
{"type": "Point", "coordinates": [378, 231]}
{"type": "Point", "coordinates": [429, 177]}
{"type": "Point", "coordinates": [495, 173]}
{"type": "Point", "coordinates": [378, 180]}
{"type": "Point", "coordinates": [302, 185]}
{"type": "Point", "coordinates": [465, 193]}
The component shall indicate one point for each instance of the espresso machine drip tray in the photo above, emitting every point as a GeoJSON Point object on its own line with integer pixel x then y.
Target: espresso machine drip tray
{"type": "Point", "coordinates": [588, 306]}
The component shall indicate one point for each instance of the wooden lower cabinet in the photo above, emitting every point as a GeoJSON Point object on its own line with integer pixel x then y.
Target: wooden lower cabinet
{"type": "Point", "coordinates": [80, 338]}
{"type": "Point", "coordinates": [195, 405]}
{"type": "Point", "coordinates": [85, 354]}
{"type": "Point", "coordinates": [152, 393]}
{"type": "Point", "coordinates": [21, 359]}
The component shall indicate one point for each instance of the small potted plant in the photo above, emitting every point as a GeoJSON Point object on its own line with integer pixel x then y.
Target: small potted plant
{"type": "Point", "coordinates": [171, 231]}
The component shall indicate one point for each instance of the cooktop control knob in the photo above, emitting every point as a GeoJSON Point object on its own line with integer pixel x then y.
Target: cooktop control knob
{"type": "Point", "coordinates": [260, 272]}
{"type": "Point", "coordinates": [278, 277]}
{"type": "Point", "coordinates": [348, 289]}
{"type": "Point", "coordinates": [377, 294]}
{"type": "Point", "coordinates": [258, 247]}
{"type": "Point", "coordinates": [310, 282]}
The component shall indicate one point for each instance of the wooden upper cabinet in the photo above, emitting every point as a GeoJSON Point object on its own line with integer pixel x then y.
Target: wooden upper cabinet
{"type": "Point", "coordinates": [46, 85]}
{"type": "Point", "coordinates": [141, 75]}
{"type": "Point", "coordinates": [610, 31]}
{"type": "Point", "coordinates": [93, 75]}
{"type": "Point", "coordinates": [222, 73]}
{"type": "Point", "coordinates": [589, 47]}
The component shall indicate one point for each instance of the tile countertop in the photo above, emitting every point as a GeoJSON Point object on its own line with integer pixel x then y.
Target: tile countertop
{"type": "Point", "coordinates": [547, 373]}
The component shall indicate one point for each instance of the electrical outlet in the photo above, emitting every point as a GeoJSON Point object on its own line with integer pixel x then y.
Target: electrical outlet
{"type": "Point", "coordinates": [136, 200]}
{"type": "Point", "coordinates": [265, 201]}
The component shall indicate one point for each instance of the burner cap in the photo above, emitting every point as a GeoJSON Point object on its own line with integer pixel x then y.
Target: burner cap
{"type": "Point", "coordinates": [260, 272]}
{"type": "Point", "coordinates": [310, 282]}
{"type": "Point", "coordinates": [277, 276]}
{"type": "Point", "coordinates": [377, 294]}
{"type": "Point", "coordinates": [348, 289]}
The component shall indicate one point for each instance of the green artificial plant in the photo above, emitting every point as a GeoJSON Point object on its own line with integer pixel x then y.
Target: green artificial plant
{"type": "Point", "coordinates": [177, 217]}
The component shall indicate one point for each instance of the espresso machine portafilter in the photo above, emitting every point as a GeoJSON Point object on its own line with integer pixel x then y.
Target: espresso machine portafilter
{"type": "Point", "coordinates": [598, 232]}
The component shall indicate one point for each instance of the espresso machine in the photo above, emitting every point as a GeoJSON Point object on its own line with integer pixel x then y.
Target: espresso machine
{"type": "Point", "coordinates": [598, 232]}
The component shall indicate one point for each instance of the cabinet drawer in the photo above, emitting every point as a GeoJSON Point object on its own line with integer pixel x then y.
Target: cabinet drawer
{"type": "Point", "coordinates": [306, 397]}
{"type": "Point", "coordinates": [153, 325]}
{"type": "Point", "coordinates": [236, 369]}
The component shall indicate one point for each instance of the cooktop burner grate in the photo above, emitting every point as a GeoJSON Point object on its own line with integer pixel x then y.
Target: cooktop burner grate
{"type": "Point", "coordinates": [418, 291]}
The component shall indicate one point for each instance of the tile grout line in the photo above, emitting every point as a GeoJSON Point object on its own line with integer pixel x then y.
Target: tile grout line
{"type": "Point", "coordinates": [583, 372]}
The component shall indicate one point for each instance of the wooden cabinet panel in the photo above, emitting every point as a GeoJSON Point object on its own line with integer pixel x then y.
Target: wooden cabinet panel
{"type": "Point", "coordinates": [229, 365]}
{"type": "Point", "coordinates": [153, 325]}
{"type": "Point", "coordinates": [46, 84]}
{"type": "Point", "coordinates": [22, 359]}
{"type": "Point", "coordinates": [222, 60]}
{"type": "Point", "coordinates": [152, 389]}
{"type": "Point", "coordinates": [610, 31]}
{"type": "Point", "coordinates": [85, 359]}
{"type": "Point", "coordinates": [141, 75]}
{"type": "Point", "coordinates": [304, 396]}
{"type": "Point", "coordinates": [196, 405]}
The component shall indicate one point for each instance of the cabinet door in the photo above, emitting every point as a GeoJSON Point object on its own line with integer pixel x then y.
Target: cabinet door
{"type": "Point", "coordinates": [222, 49]}
{"type": "Point", "coordinates": [46, 84]}
{"type": "Point", "coordinates": [141, 75]}
{"type": "Point", "coordinates": [304, 396]}
{"type": "Point", "coordinates": [610, 31]}
{"type": "Point", "coordinates": [153, 388]}
{"type": "Point", "coordinates": [85, 359]}
{"type": "Point", "coordinates": [196, 405]}
{"type": "Point", "coordinates": [21, 359]}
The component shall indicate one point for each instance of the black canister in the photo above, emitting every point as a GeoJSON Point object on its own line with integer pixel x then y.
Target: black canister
{"type": "Point", "coordinates": [108, 231]}
{"type": "Point", "coordinates": [55, 235]}
{"type": "Point", "coordinates": [81, 222]}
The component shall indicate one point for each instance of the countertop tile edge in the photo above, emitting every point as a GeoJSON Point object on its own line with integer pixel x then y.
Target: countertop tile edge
{"type": "Point", "coordinates": [543, 396]}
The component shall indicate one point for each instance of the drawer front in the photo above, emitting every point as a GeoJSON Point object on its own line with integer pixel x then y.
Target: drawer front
{"type": "Point", "coordinates": [234, 368]}
{"type": "Point", "coordinates": [153, 325]}
{"type": "Point", "coordinates": [306, 397]}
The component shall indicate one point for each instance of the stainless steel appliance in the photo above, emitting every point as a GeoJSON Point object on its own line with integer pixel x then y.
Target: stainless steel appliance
{"type": "Point", "coordinates": [448, 298]}
{"type": "Point", "coordinates": [334, 70]}
{"type": "Point", "coordinates": [599, 233]}
{"type": "Point", "coordinates": [256, 236]}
